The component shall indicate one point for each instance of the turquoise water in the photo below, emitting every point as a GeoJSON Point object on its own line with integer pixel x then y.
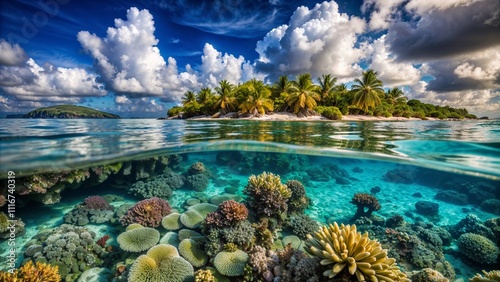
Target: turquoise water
{"type": "Point", "coordinates": [455, 164]}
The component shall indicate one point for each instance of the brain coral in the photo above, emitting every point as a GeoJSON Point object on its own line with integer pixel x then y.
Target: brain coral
{"type": "Point", "coordinates": [147, 212]}
{"type": "Point", "coordinates": [231, 263]}
{"type": "Point", "coordinates": [40, 272]}
{"type": "Point", "coordinates": [161, 263]}
{"type": "Point", "coordinates": [351, 252]}
{"type": "Point", "coordinates": [478, 248]}
{"type": "Point", "coordinates": [266, 195]}
{"type": "Point", "coordinates": [138, 239]}
{"type": "Point", "coordinates": [189, 249]}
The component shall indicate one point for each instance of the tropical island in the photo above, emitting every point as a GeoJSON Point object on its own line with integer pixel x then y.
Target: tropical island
{"type": "Point", "coordinates": [68, 112]}
{"type": "Point", "coordinates": [303, 98]}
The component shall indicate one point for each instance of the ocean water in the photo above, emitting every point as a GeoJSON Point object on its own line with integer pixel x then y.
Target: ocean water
{"type": "Point", "coordinates": [57, 164]}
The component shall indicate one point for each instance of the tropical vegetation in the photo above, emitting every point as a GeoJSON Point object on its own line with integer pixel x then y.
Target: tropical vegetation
{"type": "Point", "coordinates": [302, 96]}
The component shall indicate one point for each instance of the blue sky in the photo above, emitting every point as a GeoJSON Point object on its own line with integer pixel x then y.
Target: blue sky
{"type": "Point", "coordinates": [137, 58]}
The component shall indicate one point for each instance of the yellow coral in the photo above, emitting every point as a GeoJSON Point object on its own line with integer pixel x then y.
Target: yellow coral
{"type": "Point", "coordinates": [40, 272]}
{"type": "Point", "coordinates": [204, 276]}
{"type": "Point", "coordinates": [346, 248]}
{"type": "Point", "coordinates": [491, 276]}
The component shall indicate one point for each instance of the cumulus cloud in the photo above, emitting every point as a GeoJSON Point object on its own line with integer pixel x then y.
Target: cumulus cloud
{"type": "Point", "coordinates": [131, 64]}
{"type": "Point", "coordinates": [446, 29]}
{"type": "Point", "coordinates": [11, 54]}
{"type": "Point", "coordinates": [390, 71]}
{"type": "Point", "coordinates": [319, 41]}
{"type": "Point", "coordinates": [382, 12]}
{"type": "Point", "coordinates": [474, 71]}
{"type": "Point", "coordinates": [32, 82]}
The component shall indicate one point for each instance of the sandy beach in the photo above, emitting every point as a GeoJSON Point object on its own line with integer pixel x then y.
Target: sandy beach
{"type": "Point", "coordinates": [285, 116]}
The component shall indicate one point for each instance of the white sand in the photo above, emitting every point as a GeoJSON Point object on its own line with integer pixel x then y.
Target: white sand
{"type": "Point", "coordinates": [285, 116]}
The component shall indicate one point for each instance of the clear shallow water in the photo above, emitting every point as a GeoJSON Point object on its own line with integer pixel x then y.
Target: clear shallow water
{"type": "Point", "coordinates": [36, 145]}
{"type": "Point", "coordinates": [434, 155]}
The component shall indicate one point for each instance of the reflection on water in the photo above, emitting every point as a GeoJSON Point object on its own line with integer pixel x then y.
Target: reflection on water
{"type": "Point", "coordinates": [465, 145]}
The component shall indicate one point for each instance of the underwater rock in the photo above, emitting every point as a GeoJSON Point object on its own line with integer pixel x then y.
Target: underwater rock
{"type": "Point", "coordinates": [427, 208]}
{"type": "Point", "coordinates": [357, 169]}
{"type": "Point", "coordinates": [477, 196]}
{"type": "Point", "coordinates": [405, 175]}
{"type": "Point", "coordinates": [375, 190]}
{"type": "Point", "coordinates": [453, 197]}
{"type": "Point", "coordinates": [417, 195]}
{"type": "Point", "coordinates": [471, 224]}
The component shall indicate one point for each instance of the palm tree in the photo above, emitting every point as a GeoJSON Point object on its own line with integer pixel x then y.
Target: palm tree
{"type": "Point", "coordinates": [327, 85]}
{"type": "Point", "coordinates": [225, 98]}
{"type": "Point", "coordinates": [367, 91]}
{"type": "Point", "coordinates": [257, 101]}
{"type": "Point", "coordinates": [303, 94]}
{"type": "Point", "coordinates": [280, 91]}
{"type": "Point", "coordinates": [204, 96]}
{"type": "Point", "coordinates": [395, 96]}
{"type": "Point", "coordinates": [188, 98]}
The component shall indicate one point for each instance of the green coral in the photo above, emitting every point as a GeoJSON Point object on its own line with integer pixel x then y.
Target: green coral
{"type": "Point", "coordinates": [298, 202]}
{"type": "Point", "coordinates": [138, 239]}
{"type": "Point", "coordinates": [189, 249]}
{"type": "Point", "coordinates": [191, 219]}
{"type": "Point", "coordinates": [231, 263]}
{"type": "Point", "coordinates": [478, 248]}
{"type": "Point", "coordinates": [491, 276]}
{"type": "Point", "coordinates": [352, 254]}
{"type": "Point", "coordinates": [4, 222]}
{"type": "Point", "coordinates": [161, 263]}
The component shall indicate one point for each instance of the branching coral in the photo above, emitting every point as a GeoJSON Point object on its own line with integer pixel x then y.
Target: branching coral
{"type": "Point", "coordinates": [351, 252]}
{"type": "Point", "coordinates": [228, 213]}
{"type": "Point", "coordinates": [147, 212]}
{"type": "Point", "coordinates": [302, 225]}
{"type": "Point", "coordinates": [490, 276]}
{"type": "Point", "coordinates": [196, 168]}
{"type": "Point", "coordinates": [266, 195]}
{"type": "Point", "coordinates": [366, 204]}
{"type": "Point", "coordinates": [40, 272]}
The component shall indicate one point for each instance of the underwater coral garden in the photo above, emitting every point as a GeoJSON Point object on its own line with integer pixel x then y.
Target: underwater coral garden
{"type": "Point", "coordinates": [263, 233]}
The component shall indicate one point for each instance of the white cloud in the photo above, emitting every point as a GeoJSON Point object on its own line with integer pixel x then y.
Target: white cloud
{"type": "Point", "coordinates": [422, 7]}
{"type": "Point", "coordinates": [382, 13]}
{"type": "Point", "coordinates": [32, 82]}
{"type": "Point", "coordinates": [390, 71]}
{"type": "Point", "coordinates": [319, 41]}
{"type": "Point", "coordinates": [11, 55]}
{"type": "Point", "coordinates": [131, 64]}
{"type": "Point", "coordinates": [122, 100]}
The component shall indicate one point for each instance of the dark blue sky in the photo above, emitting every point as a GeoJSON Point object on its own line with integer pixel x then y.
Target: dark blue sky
{"type": "Point", "coordinates": [125, 56]}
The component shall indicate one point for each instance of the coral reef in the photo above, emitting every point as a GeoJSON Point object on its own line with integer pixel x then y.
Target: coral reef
{"type": "Point", "coordinates": [97, 203]}
{"type": "Point", "coordinates": [472, 224]}
{"type": "Point", "coordinates": [478, 248]}
{"type": "Point", "coordinates": [228, 213]}
{"type": "Point", "coordinates": [353, 254]}
{"type": "Point", "coordinates": [491, 206]}
{"type": "Point", "coordinates": [94, 209]}
{"type": "Point", "coordinates": [172, 221]}
{"type": "Point", "coordinates": [298, 201]}
{"type": "Point", "coordinates": [204, 276]}
{"type": "Point", "coordinates": [452, 196]}
{"type": "Point", "coordinates": [267, 196]}
{"type": "Point", "coordinates": [102, 241]}
{"type": "Point", "coordinates": [231, 263]}
{"type": "Point", "coordinates": [39, 272]}
{"type": "Point", "coordinates": [71, 248]}
{"type": "Point", "coordinates": [428, 275]}
{"type": "Point", "coordinates": [138, 239]}
{"type": "Point", "coordinates": [161, 263]}
{"type": "Point", "coordinates": [196, 168]}
{"type": "Point", "coordinates": [147, 212]}
{"type": "Point", "coordinates": [366, 204]}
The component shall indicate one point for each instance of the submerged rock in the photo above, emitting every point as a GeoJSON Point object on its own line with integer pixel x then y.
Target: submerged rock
{"type": "Point", "coordinates": [427, 208]}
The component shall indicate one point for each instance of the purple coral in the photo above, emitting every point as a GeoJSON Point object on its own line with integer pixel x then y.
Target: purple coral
{"type": "Point", "coordinates": [147, 212]}
{"type": "Point", "coordinates": [228, 213]}
{"type": "Point", "coordinates": [97, 203]}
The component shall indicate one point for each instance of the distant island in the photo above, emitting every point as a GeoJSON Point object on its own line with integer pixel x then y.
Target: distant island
{"type": "Point", "coordinates": [68, 112]}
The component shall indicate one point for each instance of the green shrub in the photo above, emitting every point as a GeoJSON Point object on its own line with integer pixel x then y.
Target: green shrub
{"type": "Point", "coordinates": [387, 114]}
{"type": "Point", "coordinates": [174, 111]}
{"type": "Point", "coordinates": [407, 114]}
{"type": "Point", "coordinates": [332, 113]}
{"type": "Point", "coordinates": [437, 114]}
{"type": "Point", "coordinates": [455, 115]}
{"type": "Point", "coordinates": [419, 114]}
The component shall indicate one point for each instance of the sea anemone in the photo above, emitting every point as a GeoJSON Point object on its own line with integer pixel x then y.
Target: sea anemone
{"type": "Point", "coordinates": [351, 252]}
